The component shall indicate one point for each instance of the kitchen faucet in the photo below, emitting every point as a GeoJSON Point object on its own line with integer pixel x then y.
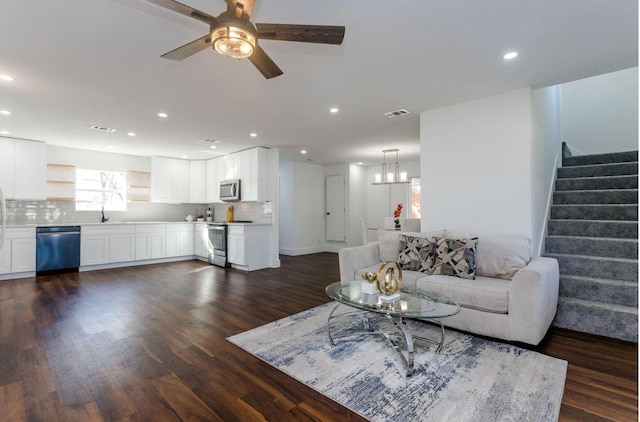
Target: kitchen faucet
{"type": "Point", "coordinates": [104, 219]}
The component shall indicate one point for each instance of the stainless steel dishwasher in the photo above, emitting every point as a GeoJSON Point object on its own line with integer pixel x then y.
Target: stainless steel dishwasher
{"type": "Point", "coordinates": [57, 249]}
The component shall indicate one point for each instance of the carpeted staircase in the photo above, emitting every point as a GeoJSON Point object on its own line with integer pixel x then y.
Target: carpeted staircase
{"type": "Point", "coordinates": [593, 233]}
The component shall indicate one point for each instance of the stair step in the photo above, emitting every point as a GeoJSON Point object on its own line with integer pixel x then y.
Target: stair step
{"type": "Point", "coordinates": [613, 157]}
{"type": "Point", "coordinates": [597, 183]}
{"type": "Point", "coordinates": [594, 228]}
{"type": "Point", "coordinates": [599, 170]}
{"type": "Point", "coordinates": [623, 212]}
{"type": "Point", "coordinates": [611, 196]}
{"type": "Point", "coordinates": [602, 319]}
{"type": "Point", "coordinates": [597, 267]}
{"type": "Point", "coordinates": [592, 246]}
{"type": "Point", "coordinates": [617, 292]}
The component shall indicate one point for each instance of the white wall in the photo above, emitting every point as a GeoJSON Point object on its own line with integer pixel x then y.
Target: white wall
{"type": "Point", "coordinates": [600, 114]}
{"type": "Point", "coordinates": [357, 203]}
{"type": "Point", "coordinates": [476, 165]}
{"type": "Point", "coordinates": [302, 216]}
{"type": "Point", "coordinates": [545, 157]}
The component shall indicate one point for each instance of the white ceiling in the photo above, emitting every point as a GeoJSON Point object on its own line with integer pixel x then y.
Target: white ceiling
{"type": "Point", "coordinates": [83, 63]}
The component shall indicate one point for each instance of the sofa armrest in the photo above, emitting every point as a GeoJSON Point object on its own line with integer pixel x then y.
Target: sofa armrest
{"type": "Point", "coordinates": [355, 258]}
{"type": "Point", "coordinates": [533, 299]}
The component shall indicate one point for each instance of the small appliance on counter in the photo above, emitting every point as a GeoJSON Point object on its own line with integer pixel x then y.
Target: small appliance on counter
{"type": "Point", "coordinates": [230, 190]}
{"type": "Point", "coordinates": [230, 214]}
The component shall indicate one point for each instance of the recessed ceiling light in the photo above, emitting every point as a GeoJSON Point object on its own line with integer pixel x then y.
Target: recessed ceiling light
{"type": "Point", "coordinates": [163, 115]}
{"type": "Point", "coordinates": [511, 55]}
{"type": "Point", "coordinates": [333, 110]}
{"type": "Point", "coordinates": [110, 147]}
{"type": "Point", "coordinates": [304, 151]}
{"type": "Point", "coordinates": [213, 147]}
{"type": "Point", "coordinates": [184, 156]}
{"type": "Point", "coordinates": [253, 134]}
{"type": "Point", "coordinates": [5, 112]}
{"type": "Point", "coordinates": [7, 78]}
{"type": "Point", "coordinates": [360, 163]}
{"type": "Point", "coordinates": [4, 132]}
{"type": "Point", "coordinates": [131, 134]}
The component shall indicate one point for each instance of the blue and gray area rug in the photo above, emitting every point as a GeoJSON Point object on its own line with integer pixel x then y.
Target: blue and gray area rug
{"type": "Point", "coordinates": [472, 379]}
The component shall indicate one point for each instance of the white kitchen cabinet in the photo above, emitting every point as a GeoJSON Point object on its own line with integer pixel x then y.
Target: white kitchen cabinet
{"type": "Point", "coordinates": [180, 170]}
{"type": "Point", "coordinates": [94, 249]}
{"type": "Point", "coordinates": [23, 255]}
{"type": "Point", "coordinates": [248, 246]}
{"type": "Point", "coordinates": [18, 253]}
{"type": "Point", "coordinates": [122, 247]}
{"type": "Point", "coordinates": [30, 170]}
{"type": "Point", "coordinates": [106, 244]}
{"type": "Point", "coordinates": [161, 180]}
{"type": "Point", "coordinates": [23, 173]}
{"type": "Point", "coordinates": [179, 240]}
{"type": "Point", "coordinates": [213, 180]}
{"type": "Point", "coordinates": [255, 183]}
{"type": "Point", "coordinates": [198, 181]}
{"type": "Point", "coordinates": [150, 241]}
{"type": "Point", "coordinates": [170, 180]}
{"type": "Point", "coordinates": [7, 152]}
{"type": "Point", "coordinates": [201, 241]}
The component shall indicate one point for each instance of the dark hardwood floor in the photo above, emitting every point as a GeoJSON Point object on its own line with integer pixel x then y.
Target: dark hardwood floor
{"type": "Point", "coordinates": [148, 344]}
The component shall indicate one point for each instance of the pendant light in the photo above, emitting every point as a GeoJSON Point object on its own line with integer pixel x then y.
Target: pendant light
{"type": "Point", "coordinates": [390, 178]}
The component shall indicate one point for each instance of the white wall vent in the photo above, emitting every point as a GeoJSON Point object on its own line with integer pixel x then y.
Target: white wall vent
{"type": "Point", "coordinates": [396, 113]}
{"type": "Point", "coordinates": [103, 128]}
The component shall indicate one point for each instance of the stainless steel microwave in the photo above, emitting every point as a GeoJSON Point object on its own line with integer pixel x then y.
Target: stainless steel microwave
{"type": "Point", "coordinates": [230, 190]}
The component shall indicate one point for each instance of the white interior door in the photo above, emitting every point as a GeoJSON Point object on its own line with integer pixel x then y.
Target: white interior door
{"type": "Point", "coordinates": [336, 213]}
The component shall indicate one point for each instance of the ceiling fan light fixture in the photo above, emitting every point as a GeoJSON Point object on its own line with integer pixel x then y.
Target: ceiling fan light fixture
{"type": "Point", "coordinates": [233, 41]}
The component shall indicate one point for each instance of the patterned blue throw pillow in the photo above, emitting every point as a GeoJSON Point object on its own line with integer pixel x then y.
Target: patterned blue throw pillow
{"type": "Point", "coordinates": [416, 253]}
{"type": "Point", "coordinates": [455, 257]}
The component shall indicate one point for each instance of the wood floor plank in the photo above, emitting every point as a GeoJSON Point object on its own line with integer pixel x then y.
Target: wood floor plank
{"type": "Point", "coordinates": [149, 343]}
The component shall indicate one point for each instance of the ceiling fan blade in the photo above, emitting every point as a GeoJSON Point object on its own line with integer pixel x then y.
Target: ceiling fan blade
{"type": "Point", "coordinates": [323, 34]}
{"type": "Point", "coordinates": [240, 9]}
{"type": "Point", "coordinates": [264, 64]}
{"type": "Point", "coordinates": [189, 49]}
{"type": "Point", "coordinates": [185, 10]}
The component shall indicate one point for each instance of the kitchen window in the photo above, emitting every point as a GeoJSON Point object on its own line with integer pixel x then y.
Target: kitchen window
{"type": "Point", "coordinates": [101, 188]}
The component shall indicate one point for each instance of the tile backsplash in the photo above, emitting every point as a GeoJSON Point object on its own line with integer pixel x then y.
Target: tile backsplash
{"type": "Point", "coordinates": [63, 212]}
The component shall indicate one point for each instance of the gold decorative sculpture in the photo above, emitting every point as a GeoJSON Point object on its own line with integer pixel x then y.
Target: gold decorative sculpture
{"type": "Point", "coordinates": [370, 285]}
{"type": "Point", "coordinates": [386, 279]}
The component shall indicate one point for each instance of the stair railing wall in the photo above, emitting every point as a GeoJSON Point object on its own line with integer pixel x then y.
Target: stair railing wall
{"type": "Point", "coordinates": [544, 229]}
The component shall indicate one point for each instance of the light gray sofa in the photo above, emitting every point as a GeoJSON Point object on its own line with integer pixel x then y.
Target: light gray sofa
{"type": "Point", "coordinates": [513, 297]}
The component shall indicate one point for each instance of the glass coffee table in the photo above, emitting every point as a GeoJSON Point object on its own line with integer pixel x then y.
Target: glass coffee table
{"type": "Point", "coordinates": [411, 304]}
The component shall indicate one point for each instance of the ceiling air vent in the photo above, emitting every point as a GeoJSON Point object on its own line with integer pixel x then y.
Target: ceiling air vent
{"type": "Point", "coordinates": [103, 128]}
{"type": "Point", "coordinates": [396, 113]}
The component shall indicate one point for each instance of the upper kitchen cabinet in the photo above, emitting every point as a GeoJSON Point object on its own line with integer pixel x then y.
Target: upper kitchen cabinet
{"type": "Point", "coordinates": [198, 180]}
{"type": "Point", "coordinates": [169, 180]}
{"type": "Point", "coordinates": [255, 170]}
{"type": "Point", "coordinates": [23, 174]}
{"type": "Point", "coordinates": [214, 173]}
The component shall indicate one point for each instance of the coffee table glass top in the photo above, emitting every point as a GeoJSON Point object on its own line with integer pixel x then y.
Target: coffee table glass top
{"type": "Point", "coordinates": [410, 304]}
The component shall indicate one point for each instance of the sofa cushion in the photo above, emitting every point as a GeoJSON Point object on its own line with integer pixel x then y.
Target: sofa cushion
{"type": "Point", "coordinates": [389, 242]}
{"type": "Point", "coordinates": [484, 293]}
{"type": "Point", "coordinates": [416, 253]}
{"type": "Point", "coordinates": [456, 257]}
{"type": "Point", "coordinates": [498, 256]}
{"type": "Point", "coordinates": [409, 278]}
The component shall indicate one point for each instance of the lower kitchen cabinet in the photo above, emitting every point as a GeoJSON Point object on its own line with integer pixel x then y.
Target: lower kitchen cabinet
{"type": "Point", "coordinates": [18, 253]}
{"type": "Point", "coordinates": [150, 241]}
{"type": "Point", "coordinates": [106, 244]}
{"type": "Point", "coordinates": [179, 241]}
{"type": "Point", "coordinates": [201, 241]}
{"type": "Point", "coordinates": [94, 249]}
{"type": "Point", "coordinates": [248, 246]}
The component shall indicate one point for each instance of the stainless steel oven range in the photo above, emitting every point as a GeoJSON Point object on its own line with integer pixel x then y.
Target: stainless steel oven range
{"type": "Point", "coordinates": [218, 244]}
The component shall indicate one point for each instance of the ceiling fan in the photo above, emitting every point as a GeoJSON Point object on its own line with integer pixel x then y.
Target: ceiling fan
{"type": "Point", "coordinates": [233, 35]}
